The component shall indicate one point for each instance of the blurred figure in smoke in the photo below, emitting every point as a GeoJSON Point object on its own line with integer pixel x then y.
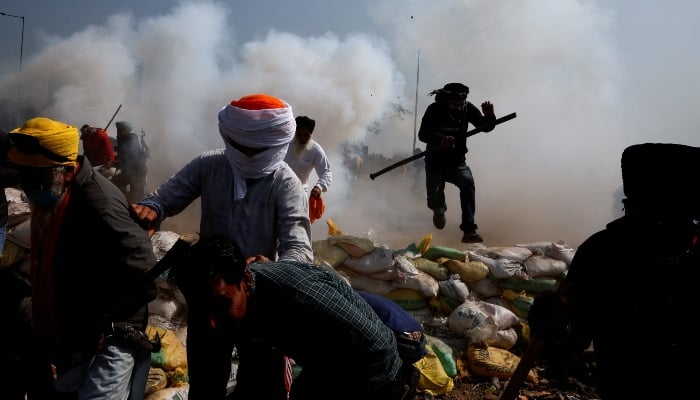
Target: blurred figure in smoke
{"type": "Point", "coordinates": [131, 163]}
{"type": "Point", "coordinates": [248, 194]}
{"type": "Point", "coordinates": [628, 289]}
{"type": "Point", "coordinates": [305, 154]}
{"type": "Point", "coordinates": [98, 148]}
{"type": "Point", "coordinates": [443, 129]}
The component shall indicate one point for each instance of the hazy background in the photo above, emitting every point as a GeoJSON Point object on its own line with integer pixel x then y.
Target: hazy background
{"type": "Point", "coordinates": [586, 79]}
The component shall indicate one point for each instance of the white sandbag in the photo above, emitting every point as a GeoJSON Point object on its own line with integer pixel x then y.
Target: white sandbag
{"type": "Point", "coordinates": [454, 287]}
{"type": "Point", "coordinates": [403, 265]}
{"type": "Point", "coordinates": [499, 268]}
{"type": "Point", "coordinates": [513, 253]}
{"type": "Point", "coordinates": [386, 275]}
{"type": "Point", "coordinates": [420, 282]}
{"type": "Point", "coordinates": [537, 248]}
{"type": "Point", "coordinates": [473, 313]}
{"type": "Point", "coordinates": [561, 251]}
{"type": "Point", "coordinates": [171, 393]}
{"type": "Point", "coordinates": [421, 315]}
{"type": "Point", "coordinates": [504, 339]}
{"type": "Point", "coordinates": [353, 245]}
{"type": "Point", "coordinates": [367, 284]}
{"type": "Point", "coordinates": [537, 266]}
{"type": "Point", "coordinates": [18, 209]}
{"type": "Point", "coordinates": [162, 241]}
{"type": "Point", "coordinates": [485, 288]}
{"type": "Point", "coordinates": [325, 251]}
{"type": "Point", "coordinates": [377, 260]}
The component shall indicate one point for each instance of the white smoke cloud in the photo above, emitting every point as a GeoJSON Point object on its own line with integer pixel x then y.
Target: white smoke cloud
{"type": "Point", "coordinates": [549, 174]}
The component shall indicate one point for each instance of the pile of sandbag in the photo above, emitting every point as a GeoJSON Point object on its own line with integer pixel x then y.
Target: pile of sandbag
{"type": "Point", "coordinates": [472, 303]}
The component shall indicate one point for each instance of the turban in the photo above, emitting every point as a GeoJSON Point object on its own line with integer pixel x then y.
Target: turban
{"type": "Point", "coordinates": [663, 174]}
{"type": "Point", "coordinates": [124, 126]}
{"type": "Point", "coordinates": [258, 121]}
{"type": "Point", "coordinates": [42, 142]}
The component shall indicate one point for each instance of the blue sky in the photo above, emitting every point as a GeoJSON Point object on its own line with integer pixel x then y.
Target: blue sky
{"type": "Point", "coordinates": [586, 78]}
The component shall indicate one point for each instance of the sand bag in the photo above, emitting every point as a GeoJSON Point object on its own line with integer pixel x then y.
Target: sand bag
{"type": "Point", "coordinates": [172, 352]}
{"type": "Point", "coordinates": [353, 245]}
{"type": "Point", "coordinates": [469, 271]}
{"type": "Point", "coordinates": [325, 251]}
{"type": "Point", "coordinates": [539, 266]}
{"type": "Point", "coordinates": [513, 253]}
{"type": "Point", "coordinates": [367, 284]}
{"type": "Point", "coordinates": [408, 299]}
{"type": "Point", "coordinates": [495, 362]}
{"type": "Point", "coordinates": [499, 268]}
{"type": "Point", "coordinates": [473, 313]}
{"type": "Point", "coordinates": [454, 288]}
{"type": "Point", "coordinates": [435, 252]}
{"type": "Point", "coordinates": [421, 282]}
{"type": "Point", "coordinates": [379, 259]}
{"type": "Point", "coordinates": [432, 268]}
{"type": "Point", "coordinates": [173, 393]}
{"type": "Point", "coordinates": [157, 380]}
{"type": "Point", "coordinates": [433, 378]}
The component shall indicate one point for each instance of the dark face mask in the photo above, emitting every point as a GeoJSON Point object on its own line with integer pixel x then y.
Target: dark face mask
{"type": "Point", "coordinates": [44, 198]}
{"type": "Point", "coordinates": [43, 187]}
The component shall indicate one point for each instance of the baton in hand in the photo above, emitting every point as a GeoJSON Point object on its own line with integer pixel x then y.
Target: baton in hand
{"type": "Point", "coordinates": [423, 153]}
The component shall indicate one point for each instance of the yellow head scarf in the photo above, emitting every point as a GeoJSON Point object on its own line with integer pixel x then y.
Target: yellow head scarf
{"type": "Point", "coordinates": [55, 137]}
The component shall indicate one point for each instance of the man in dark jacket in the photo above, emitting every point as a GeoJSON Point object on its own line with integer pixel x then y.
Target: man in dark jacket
{"type": "Point", "coordinates": [88, 264]}
{"type": "Point", "coordinates": [444, 130]}
{"type": "Point", "coordinates": [629, 289]}
{"type": "Point", "coordinates": [131, 163]}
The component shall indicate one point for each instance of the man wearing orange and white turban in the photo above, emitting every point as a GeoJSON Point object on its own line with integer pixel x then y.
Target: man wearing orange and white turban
{"type": "Point", "coordinates": [88, 263]}
{"type": "Point", "coordinates": [248, 194]}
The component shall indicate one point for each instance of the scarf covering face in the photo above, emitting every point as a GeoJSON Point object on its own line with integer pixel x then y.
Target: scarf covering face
{"type": "Point", "coordinates": [57, 137]}
{"type": "Point", "coordinates": [257, 121]}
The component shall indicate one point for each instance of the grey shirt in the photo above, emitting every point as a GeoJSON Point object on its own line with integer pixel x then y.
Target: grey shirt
{"type": "Point", "coordinates": [272, 219]}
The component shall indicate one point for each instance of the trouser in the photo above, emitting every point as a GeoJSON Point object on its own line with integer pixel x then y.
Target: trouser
{"type": "Point", "coordinates": [209, 355]}
{"type": "Point", "coordinates": [118, 371]}
{"type": "Point", "coordinates": [461, 176]}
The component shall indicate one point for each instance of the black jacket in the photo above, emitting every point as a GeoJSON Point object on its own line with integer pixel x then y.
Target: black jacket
{"type": "Point", "coordinates": [100, 260]}
{"type": "Point", "coordinates": [439, 121]}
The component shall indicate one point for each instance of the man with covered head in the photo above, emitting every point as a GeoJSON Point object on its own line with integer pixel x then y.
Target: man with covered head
{"type": "Point", "coordinates": [627, 290]}
{"type": "Point", "coordinates": [88, 264]}
{"type": "Point", "coordinates": [444, 131]}
{"type": "Point", "coordinates": [248, 194]}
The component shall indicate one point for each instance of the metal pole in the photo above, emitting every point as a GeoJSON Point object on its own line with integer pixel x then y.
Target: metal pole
{"type": "Point", "coordinates": [415, 108]}
{"type": "Point", "coordinates": [21, 53]}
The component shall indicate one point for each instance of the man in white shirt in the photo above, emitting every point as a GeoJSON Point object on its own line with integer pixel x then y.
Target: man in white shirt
{"type": "Point", "coordinates": [305, 154]}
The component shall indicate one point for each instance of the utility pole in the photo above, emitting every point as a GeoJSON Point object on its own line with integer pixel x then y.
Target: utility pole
{"type": "Point", "coordinates": [21, 51]}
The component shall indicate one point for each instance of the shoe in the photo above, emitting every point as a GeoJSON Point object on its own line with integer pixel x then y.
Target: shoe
{"type": "Point", "coordinates": [472, 237]}
{"type": "Point", "coordinates": [439, 219]}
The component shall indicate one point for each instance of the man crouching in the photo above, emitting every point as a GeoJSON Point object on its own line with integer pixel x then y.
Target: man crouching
{"type": "Point", "coordinates": [270, 310]}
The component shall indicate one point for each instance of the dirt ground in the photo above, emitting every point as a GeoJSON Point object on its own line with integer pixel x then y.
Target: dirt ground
{"type": "Point", "coordinates": [552, 385]}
